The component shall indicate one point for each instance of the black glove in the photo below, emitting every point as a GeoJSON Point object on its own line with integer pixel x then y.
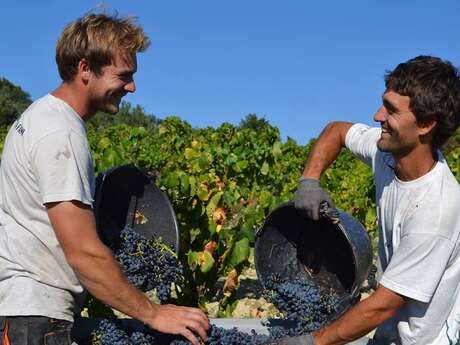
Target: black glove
{"type": "Point", "coordinates": [305, 339]}
{"type": "Point", "coordinates": [310, 198]}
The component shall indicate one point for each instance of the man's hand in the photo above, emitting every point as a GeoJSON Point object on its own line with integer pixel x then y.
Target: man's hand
{"type": "Point", "coordinates": [309, 197]}
{"type": "Point", "coordinates": [181, 320]}
{"type": "Point", "coordinates": [305, 339]}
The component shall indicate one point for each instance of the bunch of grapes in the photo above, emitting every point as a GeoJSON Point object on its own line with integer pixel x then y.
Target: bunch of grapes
{"type": "Point", "coordinates": [109, 334]}
{"type": "Point", "coordinates": [149, 263]}
{"type": "Point", "coordinates": [222, 336]}
{"type": "Point", "coordinates": [306, 306]}
{"type": "Point", "coordinates": [302, 301]}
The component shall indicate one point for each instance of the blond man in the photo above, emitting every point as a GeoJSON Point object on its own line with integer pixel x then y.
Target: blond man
{"type": "Point", "coordinates": [49, 248]}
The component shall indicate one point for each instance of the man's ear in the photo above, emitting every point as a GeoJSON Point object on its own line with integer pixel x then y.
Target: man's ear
{"type": "Point", "coordinates": [84, 71]}
{"type": "Point", "coordinates": [426, 130]}
{"type": "Point", "coordinates": [427, 126]}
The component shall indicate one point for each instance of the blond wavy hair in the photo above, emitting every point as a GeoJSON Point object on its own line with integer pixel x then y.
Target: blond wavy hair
{"type": "Point", "coordinates": [97, 38]}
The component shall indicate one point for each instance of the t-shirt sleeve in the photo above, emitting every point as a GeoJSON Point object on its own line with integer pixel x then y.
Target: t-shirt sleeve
{"type": "Point", "coordinates": [417, 265]}
{"type": "Point", "coordinates": [361, 140]}
{"type": "Point", "coordinates": [64, 167]}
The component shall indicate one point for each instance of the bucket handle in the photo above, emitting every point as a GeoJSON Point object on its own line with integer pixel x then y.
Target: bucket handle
{"type": "Point", "coordinates": [329, 213]}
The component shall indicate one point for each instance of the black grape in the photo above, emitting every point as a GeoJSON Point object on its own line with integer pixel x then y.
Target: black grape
{"type": "Point", "coordinates": [109, 334]}
{"type": "Point", "coordinates": [149, 263]}
{"type": "Point", "coordinates": [302, 301]}
{"type": "Point", "coordinates": [221, 336]}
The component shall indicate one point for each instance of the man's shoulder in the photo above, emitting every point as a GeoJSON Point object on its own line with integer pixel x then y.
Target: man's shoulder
{"type": "Point", "coordinates": [46, 116]}
{"type": "Point", "coordinates": [363, 132]}
{"type": "Point", "coordinates": [433, 206]}
{"type": "Point", "coordinates": [361, 140]}
{"type": "Point", "coordinates": [44, 108]}
{"type": "Point", "coordinates": [449, 192]}
{"type": "Point", "coordinates": [446, 184]}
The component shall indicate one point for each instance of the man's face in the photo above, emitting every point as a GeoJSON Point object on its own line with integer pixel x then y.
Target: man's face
{"type": "Point", "coordinates": [114, 82]}
{"type": "Point", "coordinates": [400, 131]}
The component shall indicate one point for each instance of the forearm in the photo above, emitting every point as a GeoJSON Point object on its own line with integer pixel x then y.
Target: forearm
{"type": "Point", "coordinates": [360, 319]}
{"type": "Point", "coordinates": [93, 262]}
{"type": "Point", "coordinates": [326, 149]}
{"type": "Point", "coordinates": [102, 276]}
{"type": "Point", "coordinates": [355, 324]}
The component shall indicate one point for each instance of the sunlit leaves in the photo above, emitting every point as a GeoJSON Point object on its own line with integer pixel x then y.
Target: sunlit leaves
{"type": "Point", "coordinates": [240, 252]}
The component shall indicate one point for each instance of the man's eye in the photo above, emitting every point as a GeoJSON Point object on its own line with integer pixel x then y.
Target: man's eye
{"type": "Point", "coordinates": [392, 112]}
{"type": "Point", "coordinates": [125, 77]}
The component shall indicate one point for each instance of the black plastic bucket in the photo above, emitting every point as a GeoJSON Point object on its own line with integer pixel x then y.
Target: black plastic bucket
{"type": "Point", "coordinates": [335, 256]}
{"type": "Point", "coordinates": [127, 196]}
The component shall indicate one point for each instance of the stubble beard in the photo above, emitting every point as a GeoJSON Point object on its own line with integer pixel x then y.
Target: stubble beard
{"type": "Point", "coordinates": [111, 105]}
{"type": "Point", "coordinates": [394, 147]}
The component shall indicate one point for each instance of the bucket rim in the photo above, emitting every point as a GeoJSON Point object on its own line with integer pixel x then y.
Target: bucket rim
{"type": "Point", "coordinates": [355, 288]}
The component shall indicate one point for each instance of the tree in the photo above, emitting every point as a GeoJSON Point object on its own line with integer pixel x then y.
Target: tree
{"type": "Point", "coordinates": [253, 122]}
{"type": "Point", "coordinates": [13, 101]}
{"type": "Point", "coordinates": [131, 116]}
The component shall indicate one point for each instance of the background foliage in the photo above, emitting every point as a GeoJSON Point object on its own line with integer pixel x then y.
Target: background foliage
{"type": "Point", "coordinates": [13, 101]}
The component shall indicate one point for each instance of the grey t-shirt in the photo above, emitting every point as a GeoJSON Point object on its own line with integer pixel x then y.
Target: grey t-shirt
{"type": "Point", "coordinates": [46, 158]}
{"type": "Point", "coordinates": [419, 245]}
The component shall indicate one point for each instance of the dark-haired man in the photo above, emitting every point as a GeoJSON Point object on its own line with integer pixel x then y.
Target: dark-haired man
{"type": "Point", "coordinates": [418, 200]}
{"type": "Point", "coordinates": [49, 248]}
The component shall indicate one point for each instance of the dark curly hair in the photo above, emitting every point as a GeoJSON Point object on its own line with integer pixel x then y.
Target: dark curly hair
{"type": "Point", "coordinates": [433, 86]}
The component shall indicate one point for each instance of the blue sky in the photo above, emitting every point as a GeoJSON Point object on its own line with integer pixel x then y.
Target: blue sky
{"type": "Point", "coordinates": [299, 63]}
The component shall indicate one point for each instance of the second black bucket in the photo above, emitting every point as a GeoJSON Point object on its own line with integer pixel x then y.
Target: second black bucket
{"type": "Point", "coordinates": [335, 256]}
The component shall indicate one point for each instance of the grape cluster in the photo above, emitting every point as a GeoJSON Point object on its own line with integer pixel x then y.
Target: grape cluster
{"type": "Point", "coordinates": [222, 336]}
{"type": "Point", "coordinates": [303, 302]}
{"type": "Point", "coordinates": [149, 263]}
{"type": "Point", "coordinates": [108, 333]}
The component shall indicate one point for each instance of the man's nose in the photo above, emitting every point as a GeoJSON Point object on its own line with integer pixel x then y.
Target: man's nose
{"type": "Point", "coordinates": [381, 115]}
{"type": "Point", "coordinates": [131, 86]}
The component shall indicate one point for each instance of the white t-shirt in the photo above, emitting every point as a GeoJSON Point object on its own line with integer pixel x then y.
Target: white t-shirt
{"type": "Point", "coordinates": [419, 228]}
{"type": "Point", "coordinates": [46, 158]}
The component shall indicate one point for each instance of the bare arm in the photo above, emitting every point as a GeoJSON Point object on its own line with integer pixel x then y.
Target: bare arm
{"type": "Point", "coordinates": [97, 269]}
{"type": "Point", "coordinates": [326, 149]}
{"type": "Point", "coordinates": [360, 319]}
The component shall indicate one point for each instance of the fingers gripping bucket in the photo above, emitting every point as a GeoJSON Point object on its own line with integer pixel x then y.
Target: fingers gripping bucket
{"type": "Point", "coordinates": [335, 256]}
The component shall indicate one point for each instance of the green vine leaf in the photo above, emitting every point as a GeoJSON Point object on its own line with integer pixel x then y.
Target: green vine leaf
{"type": "Point", "coordinates": [205, 261]}
{"type": "Point", "coordinates": [240, 252]}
